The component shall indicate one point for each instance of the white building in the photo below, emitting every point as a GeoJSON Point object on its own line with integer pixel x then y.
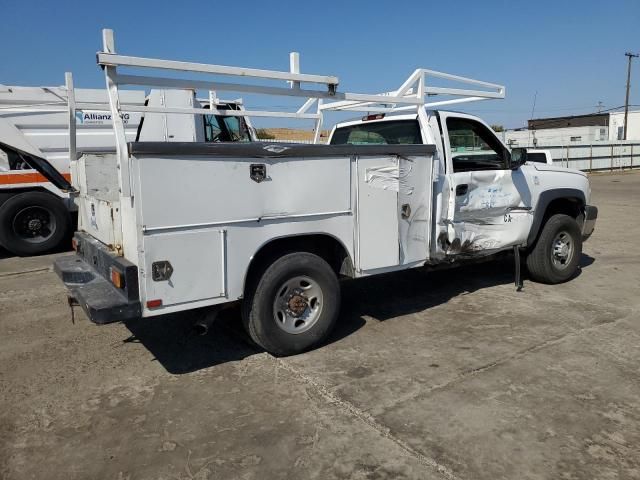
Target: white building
{"type": "Point", "coordinates": [616, 125]}
{"type": "Point", "coordinates": [574, 130]}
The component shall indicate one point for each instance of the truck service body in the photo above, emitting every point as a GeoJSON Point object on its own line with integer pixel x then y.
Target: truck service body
{"type": "Point", "coordinates": [273, 226]}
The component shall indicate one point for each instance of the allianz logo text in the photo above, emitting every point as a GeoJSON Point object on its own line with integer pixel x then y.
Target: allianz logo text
{"type": "Point", "coordinates": [97, 118]}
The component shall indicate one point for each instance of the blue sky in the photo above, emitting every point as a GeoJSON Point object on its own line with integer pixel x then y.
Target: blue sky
{"type": "Point", "coordinates": [570, 52]}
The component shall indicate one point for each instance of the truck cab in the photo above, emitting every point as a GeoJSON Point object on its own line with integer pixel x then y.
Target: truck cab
{"type": "Point", "coordinates": [485, 200]}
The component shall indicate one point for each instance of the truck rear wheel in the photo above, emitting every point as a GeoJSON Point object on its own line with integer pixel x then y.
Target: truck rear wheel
{"type": "Point", "coordinates": [292, 305]}
{"type": "Point", "coordinates": [556, 254]}
{"type": "Point", "coordinates": [32, 223]}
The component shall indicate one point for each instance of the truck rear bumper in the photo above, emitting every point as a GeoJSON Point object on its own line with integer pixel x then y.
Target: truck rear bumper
{"type": "Point", "coordinates": [589, 224]}
{"type": "Point", "coordinates": [84, 276]}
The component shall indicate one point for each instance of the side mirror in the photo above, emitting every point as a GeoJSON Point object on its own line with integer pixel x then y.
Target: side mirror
{"type": "Point", "coordinates": [518, 157]}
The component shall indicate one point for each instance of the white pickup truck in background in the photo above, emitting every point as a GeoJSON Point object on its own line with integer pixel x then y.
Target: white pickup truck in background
{"type": "Point", "coordinates": [36, 216]}
{"type": "Point", "coordinates": [539, 156]}
{"type": "Point", "coordinates": [176, 226]}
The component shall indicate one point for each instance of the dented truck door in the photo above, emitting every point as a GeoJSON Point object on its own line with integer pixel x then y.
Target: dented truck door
{"type": "Point", "coordinates": [488, 204]}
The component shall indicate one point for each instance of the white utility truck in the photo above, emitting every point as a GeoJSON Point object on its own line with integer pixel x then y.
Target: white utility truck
{"type": "Point", "coordinates": [167, 227]}
{"type": "Point", "coordinates": [39, 123]}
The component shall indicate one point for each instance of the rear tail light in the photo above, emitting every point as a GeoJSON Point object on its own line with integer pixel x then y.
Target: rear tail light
{"type": "Point", "coordinates": [117, 278]}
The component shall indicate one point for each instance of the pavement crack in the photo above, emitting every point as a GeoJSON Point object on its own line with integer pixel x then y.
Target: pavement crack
{"type": "Point", "coordinates": [367, 419]}
{"type": "Point", "coordinates": [520, 354]}
{"type": "Point", "coordinates": [25, 272]}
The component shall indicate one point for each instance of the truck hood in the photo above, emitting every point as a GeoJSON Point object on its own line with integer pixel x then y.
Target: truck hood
{"type": "Point", "coordinates": [544, 167]}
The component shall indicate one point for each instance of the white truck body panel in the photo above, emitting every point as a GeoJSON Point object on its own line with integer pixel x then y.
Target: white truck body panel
{"type": "Point", "coordinates": [98, 199]}
{"type": "Point", "coordinates": [301, 195]}
{"type": "Point", "coordinates": [377, 233]}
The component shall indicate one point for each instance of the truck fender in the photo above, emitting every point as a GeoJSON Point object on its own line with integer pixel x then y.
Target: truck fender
{"type": "Point", "coordinates": [297, 242]}
{"type": "Point", "coordinates": [544, 201]}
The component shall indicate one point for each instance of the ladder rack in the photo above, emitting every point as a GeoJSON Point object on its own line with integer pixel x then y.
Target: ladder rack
{"type": "Point", "coordinates": [323, 92]}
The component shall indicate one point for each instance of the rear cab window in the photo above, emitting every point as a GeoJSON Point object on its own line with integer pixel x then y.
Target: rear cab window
{"type": "Point", "coordinates": [392, 132]}
{"type": "Point", "coordinates": [223, 128]}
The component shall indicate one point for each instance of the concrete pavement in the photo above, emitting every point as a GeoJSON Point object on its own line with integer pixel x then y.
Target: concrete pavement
{"type": "Point", "coordinates": [429, 375]}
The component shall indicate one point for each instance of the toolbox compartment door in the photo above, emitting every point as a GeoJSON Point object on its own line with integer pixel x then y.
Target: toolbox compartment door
{"type": "Point", "coordinates": [198, 263]}
{"type": "Point", "coordinates": [378, 230]}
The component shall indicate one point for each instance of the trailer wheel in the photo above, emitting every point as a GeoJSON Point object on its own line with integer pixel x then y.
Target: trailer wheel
{"type": "Point", "coordinates": [556, 254]}
{"type": "Point", "coordinates": [292, 305]}
{"type": "Point", "coordinates": [32, 223]}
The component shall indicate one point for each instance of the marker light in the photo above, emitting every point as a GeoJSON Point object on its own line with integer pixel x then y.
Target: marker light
{"type": "Point", "coordinates": [117, 278]}
{"type": "Point", "coordinates": [377, 116]}
{"type": "Point", "coordinates": [154, 303]}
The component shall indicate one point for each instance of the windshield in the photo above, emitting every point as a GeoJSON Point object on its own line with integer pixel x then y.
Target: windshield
{"type": "Point", "coordinates": [394, 132]}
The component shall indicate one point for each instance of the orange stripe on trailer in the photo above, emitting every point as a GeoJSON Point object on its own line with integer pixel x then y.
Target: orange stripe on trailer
{"type": "Point", "coordinates": [16, 178]}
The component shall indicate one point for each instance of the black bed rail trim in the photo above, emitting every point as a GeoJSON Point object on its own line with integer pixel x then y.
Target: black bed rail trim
{"type": "Point", "coordinates": [274, 150]}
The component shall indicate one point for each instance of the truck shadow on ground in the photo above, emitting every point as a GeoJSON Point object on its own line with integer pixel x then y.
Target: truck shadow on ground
{"type": "Point", "coordinates": [173, 342]}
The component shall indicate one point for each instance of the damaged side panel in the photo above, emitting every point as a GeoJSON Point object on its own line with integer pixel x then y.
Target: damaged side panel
{"type": "Point", "coordinates": [394, 198]}
{"type": "Point", "coordinates": [488, 211]}
{"type": "Point", "coordinates": [414, 208]}
{"type": "Point", "coordinates": [377, 212]}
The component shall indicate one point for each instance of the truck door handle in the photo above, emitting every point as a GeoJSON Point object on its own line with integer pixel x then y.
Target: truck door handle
{"type": "Point", "coordinates": [462, 189]}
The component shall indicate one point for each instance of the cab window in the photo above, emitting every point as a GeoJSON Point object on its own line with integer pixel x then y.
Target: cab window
{"type": "Point", "coordinates": [237, 129]}
{"type": "Point", "coordinates": [222, 128]}
{"type": "Point", "coordinates": [212, 130]}
{"type": "Point", "coordinates": [474, 147]}
{"type": "Point", "coordinates": [396, 132]}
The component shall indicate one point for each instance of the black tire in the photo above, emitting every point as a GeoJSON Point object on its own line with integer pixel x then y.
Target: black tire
{"type": "Point", "coordinates": [547, 261]}
{"type": "Point", "coordinates": [32, 223]}
{"type": "Point", "coordinates": [261, 313]}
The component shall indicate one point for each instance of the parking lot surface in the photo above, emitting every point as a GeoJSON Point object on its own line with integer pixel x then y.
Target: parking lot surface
{"type": "Point", "coordinates": [446, 374]}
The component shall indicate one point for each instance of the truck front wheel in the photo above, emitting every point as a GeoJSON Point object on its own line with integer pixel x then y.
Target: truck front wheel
{"type": "Point", "coordinates": [556, 254]}
{"type": "Point", "coordinates": [292, 305]}
{"type": "Point", "coordinates": [32, 223]}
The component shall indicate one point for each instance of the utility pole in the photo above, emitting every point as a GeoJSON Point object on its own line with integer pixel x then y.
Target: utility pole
{"type": "Point", "coordinates": [626, 100]}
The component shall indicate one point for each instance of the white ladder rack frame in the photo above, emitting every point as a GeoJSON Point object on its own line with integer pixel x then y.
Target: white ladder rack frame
{"type": "Point", "coordinates": [411, 95]}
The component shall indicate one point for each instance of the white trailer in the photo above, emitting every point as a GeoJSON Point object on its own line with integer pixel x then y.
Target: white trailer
{"type": "Point", "coordinates": [53, 123]}
{"type": "Point", "coordinates": [274, 226]}
{"type": "Point", "coordinates": [34, 123]}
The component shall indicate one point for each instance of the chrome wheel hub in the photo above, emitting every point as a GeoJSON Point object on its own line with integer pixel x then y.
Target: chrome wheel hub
{"type": "Point", "coordinates": [298, 304]}
{"type": "Point", "coordinates": [562, 250]}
